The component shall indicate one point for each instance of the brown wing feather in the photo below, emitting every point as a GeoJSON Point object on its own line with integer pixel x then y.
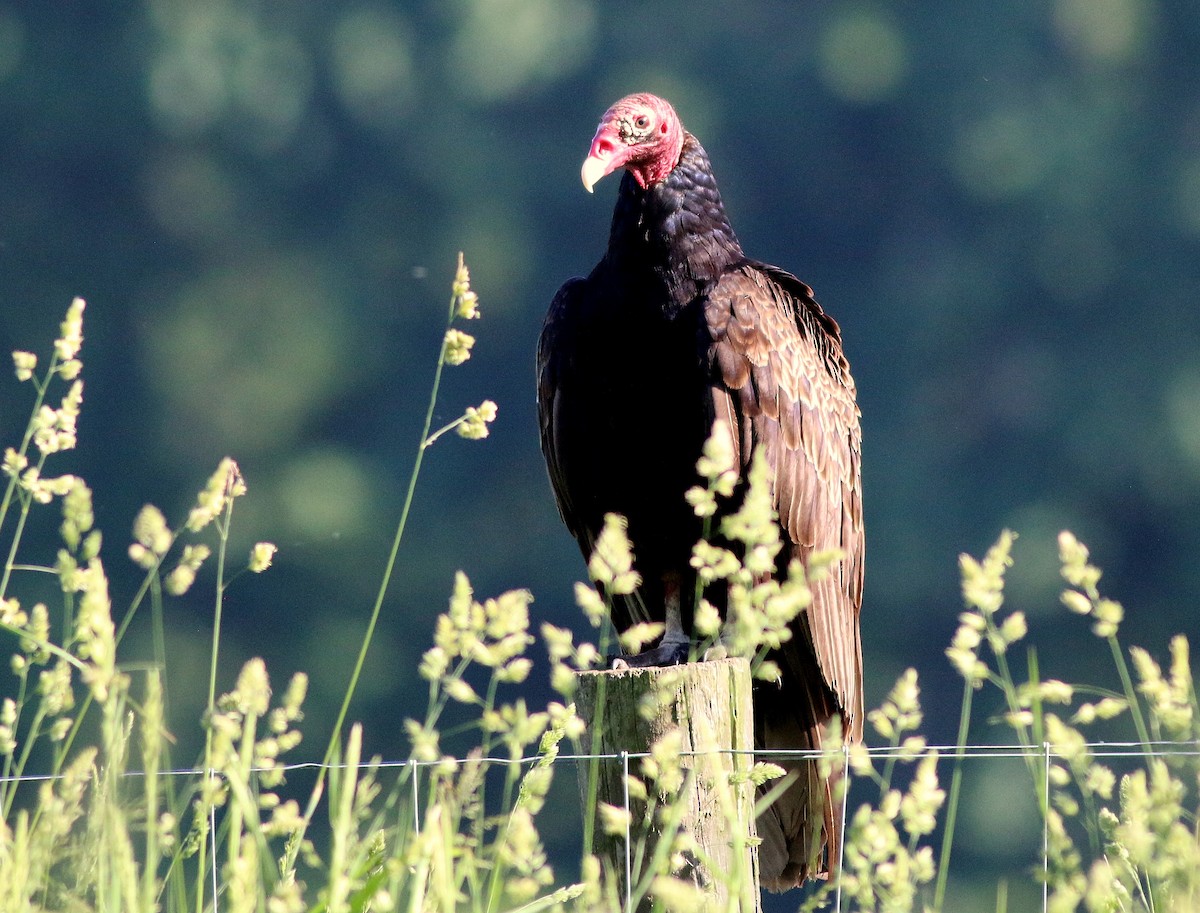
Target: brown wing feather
{"type": "Point", "coordinates": [781, 381]}
{"type": "Point", "coordinates": [785, 381]}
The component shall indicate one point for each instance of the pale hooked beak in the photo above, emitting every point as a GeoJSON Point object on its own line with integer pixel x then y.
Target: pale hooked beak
{"type": "Point", "coordinates": [593, 170]}
{"type": "Point", "coordinates": [604, 157]}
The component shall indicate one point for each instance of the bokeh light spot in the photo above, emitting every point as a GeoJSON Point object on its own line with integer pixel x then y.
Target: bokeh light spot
{"type": "Point", "coordinates": [1183, 409]}
{"type": "Point", "coordinates": [372, 66]}
{"type": "Point", "coordinates": [1034, 583]}
{"type": "Point", "coordinates": [1001, 155]}
{"type": "Point", "coordinates": [497, 243]}
{"type": "Point", "coordinates": [325, 494]}
{"type": "Point", "coordinates": [246, 354]}
{"type": "Point", "coordinates": [210, 65]}
{"type": "Point", "coordinates": [1107, 31]}
{"type": "Point", "coordinates": [505, 46]}
{"type": "Point", "coordinates": [187, 89]}
{"type": "Point", "coordinates": [12, 42]}
{"type": "Point", "coordinates": [272, 82]}
{"type": "Point", "coordinates": [863, 57]}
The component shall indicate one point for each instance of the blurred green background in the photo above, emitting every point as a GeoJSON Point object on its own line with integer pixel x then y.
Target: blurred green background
{"type": "Point", "coordinates": [262, 203]}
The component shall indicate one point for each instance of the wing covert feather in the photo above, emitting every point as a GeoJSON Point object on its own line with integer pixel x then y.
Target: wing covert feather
{"type": "Point", "coordinates": [781, 380]}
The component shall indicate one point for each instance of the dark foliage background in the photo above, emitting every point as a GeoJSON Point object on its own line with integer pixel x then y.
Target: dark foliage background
{"type": "Point", "coordinates": [262, 202]}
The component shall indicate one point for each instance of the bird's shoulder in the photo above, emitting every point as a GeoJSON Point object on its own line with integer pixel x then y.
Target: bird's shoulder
{"type": "Point", "coordinates": [554, 365]}
{"type": "Point", "coordinates": [566, 325]}
{"type": "Point", "coordinates": [565, 305]}
{"type": "Point", "coordinates": [767, 327]}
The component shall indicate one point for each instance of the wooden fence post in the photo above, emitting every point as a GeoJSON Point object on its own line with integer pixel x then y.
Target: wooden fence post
{"type": "Point", "coordinates": [628, 710]}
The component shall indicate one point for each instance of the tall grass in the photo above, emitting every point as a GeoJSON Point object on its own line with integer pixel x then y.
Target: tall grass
{"type": "Point", "coordinates": [94, 815]}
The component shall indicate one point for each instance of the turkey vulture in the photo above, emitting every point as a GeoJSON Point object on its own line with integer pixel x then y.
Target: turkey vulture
{"type": "Point", "coordinates": [674, 330]}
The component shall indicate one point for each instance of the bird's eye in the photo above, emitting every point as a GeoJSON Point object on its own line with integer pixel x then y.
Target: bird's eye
{"type": "Point", "coordinates": [641, 121]}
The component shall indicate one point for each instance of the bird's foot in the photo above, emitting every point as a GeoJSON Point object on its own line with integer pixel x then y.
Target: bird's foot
{"type": "Point", "coordinates": [715, 652]}
{"type": "Point", "coordinates": [671, 653]}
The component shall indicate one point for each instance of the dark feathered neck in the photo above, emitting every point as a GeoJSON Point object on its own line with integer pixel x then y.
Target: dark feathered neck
{"type": "Point", "coordinates": [674, 232]}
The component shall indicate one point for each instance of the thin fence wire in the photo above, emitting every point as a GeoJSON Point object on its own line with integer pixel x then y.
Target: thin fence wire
{"type": "Point", "coordinates": [899, 753]}
{"type": "Point", "coordinates": [1043, 752]}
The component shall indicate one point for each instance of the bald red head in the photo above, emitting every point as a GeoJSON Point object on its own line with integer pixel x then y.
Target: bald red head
{"type": "Point", "coordinates": [642, 134]}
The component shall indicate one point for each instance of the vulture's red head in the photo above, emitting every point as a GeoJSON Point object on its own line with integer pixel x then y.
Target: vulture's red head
{"type": "Point", "coordinates": [640, 133]}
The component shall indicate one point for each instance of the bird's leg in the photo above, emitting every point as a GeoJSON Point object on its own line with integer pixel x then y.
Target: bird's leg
{"type": "Point", "coordinates": [674, 647]}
